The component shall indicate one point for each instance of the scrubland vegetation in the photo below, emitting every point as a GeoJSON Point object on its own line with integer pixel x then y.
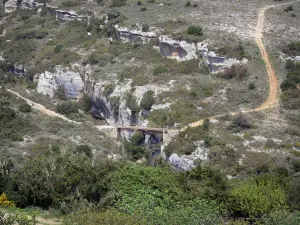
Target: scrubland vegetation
{"type": "Point", "coordinates": [79, 175]}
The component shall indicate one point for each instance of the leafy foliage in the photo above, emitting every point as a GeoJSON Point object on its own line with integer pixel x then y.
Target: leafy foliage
{"type": "Point", "coordinates": [195, 30]}
{"type": "Point", "coordinates": [148, 100]}
{"type": "Point", "coordinates": [256, 197]}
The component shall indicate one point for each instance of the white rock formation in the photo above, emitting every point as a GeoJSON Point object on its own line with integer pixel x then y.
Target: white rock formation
{"type": "Point", "coordinates": [216, 63]}
{"type": "Point", "coordinates": [179, 50]}
{"type": "Point", "coordinates": [186, 162]}
{"type": "Point", "coordinates": [49, 82]}
{"type": "Point", "coordinates": [12, 5]}
{"type": "Point", "coordinates": [135, 35]}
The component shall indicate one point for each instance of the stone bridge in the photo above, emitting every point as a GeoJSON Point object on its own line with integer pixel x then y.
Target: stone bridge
{"type": "Point", "coordinates": [115, 131]}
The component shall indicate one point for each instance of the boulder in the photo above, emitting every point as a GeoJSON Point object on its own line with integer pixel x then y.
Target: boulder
{"type": "Point", "coordinates": [70, 80]}
{"type": "Point", "coordinates": [179, 50]}
{"type": "Point", "coordinates": [12, 5]}
{"type": "Point", "coordinates": [134, 35]}
{"type": "Point", "coordinates": [217, 63]}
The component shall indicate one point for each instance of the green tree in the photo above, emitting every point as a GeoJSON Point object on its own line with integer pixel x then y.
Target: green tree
{"type": "Point", "coordinates": [148, 100]}
{"type": "Point", "coordinates": [256, 197]}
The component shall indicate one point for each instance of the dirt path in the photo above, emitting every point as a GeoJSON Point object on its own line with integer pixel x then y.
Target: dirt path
{"type": "Point", "coordinates": [272, 99]}
{"type": "Point", "coordinates": [42, 108]}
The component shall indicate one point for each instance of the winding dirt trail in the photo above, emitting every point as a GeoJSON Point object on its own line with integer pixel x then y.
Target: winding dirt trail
{"type": "Point", "coordinates": [271, 101]}
{"type": "Point", "coordinates": [42, 108]}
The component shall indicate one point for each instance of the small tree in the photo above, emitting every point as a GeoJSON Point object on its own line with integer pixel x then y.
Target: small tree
{"type": "Point", "coordinates": [147, 100]}
{"type": "Point", "coordinates": [195, 30]}
{"type": "Point", "coordinates": [25, 108]}
{"type": "Point", "coordinates": [61, 93]}
{"type": "Point", "coordinates": [188, 4]}
{"type": "Point", "coordinates": [145, 27]}
{"type": "Point", "coordinates": [84, 149]}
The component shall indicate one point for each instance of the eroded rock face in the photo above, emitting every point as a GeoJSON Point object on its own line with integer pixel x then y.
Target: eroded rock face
{"type": "Point", "coordinates": [216, 63]}
{"type": "Point", "coordinates": [187, 162]}
{"type": "Point", "coordinates": [179, 50]}
{"type": "Point", "coordinates": [134, 35]}
{"type": "Point", "coordinates": [70, 80]}
{"type": "Point", "coordinates": [12, 5]}
{"type": "Point", "coordinates": [64, 15]}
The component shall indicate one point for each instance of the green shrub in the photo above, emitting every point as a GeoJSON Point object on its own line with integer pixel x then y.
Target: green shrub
{"type": "Point", "coordinates": [293, 194]}
{"type": "Point", "coordinates": [148, 100]}
{"type": "Point", "coordinates": [240, 121]}
{"type": "Point", "coordinates": [159, 70]}
{"type": "Point", "coordinates": [131, 102]}
{"type": "Point", "coordinates": [195, 30]}
{"type": "Point", "coordinates": [188, 4]}
{"type": "Point", "coordinates": [139, 3]}
{"type": "Point", "coordinates": [289, 8]}
{"type": "Point", "coordinates": [84, 149]}
{"type": "Point", "coordinates": [195, 5]}
{"type": "Point", "coordinates": [85, 103]}
{"type": "Point", "coordinates": [143, 9]}
{"type": "Point", "coordinates": [113, 14]}
{"type": "Point", "coordinates": [67, 107]}
{"type": "Point", "coordinates": [145, 27]}
{"type": "Point", "coordinates": [118, 3]}
{"type": "Point", "coordinates": [109, 216]}
{"type": "Point", "coordinates": [251, 86]}
{"type": "Point", "coordinates": [25, 108]}
{"type": "Point", "coordinates": [288, 84]}
{"type": "Point", "coordinates": [61, 93]}
{"type": "Point", "coordinates": [108, 89]}
{"type": "Point", "coordinates": [256, 197]}
{"type": "Point", "coordinates": [58, 48]}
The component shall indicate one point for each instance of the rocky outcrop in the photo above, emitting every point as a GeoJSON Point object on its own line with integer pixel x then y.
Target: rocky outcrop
{"type": "Point", "coordinates": [111, 105]}
{"type": "Point", "coordinates": [18, 70]}
{"type": "Point", "coordinates": [64, 15]}
{"type": "Point", "coordinates": [134, 35]}
{"type": "Point", "coordinates": [12, 5]}
{"type": "Point", "coordinates": [217, 64]}
{"type": "Point", "coordinates": [187, 162]}
{"type": "Point", "coordinates": [71, 81]}
{"type": "Point", "coordinates": [179, 50]}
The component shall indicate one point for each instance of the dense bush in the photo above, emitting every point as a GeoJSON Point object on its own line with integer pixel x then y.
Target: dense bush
{"type": "Point", "coordinates": [85, 102]}
{"type": "Point", "coordinates": [20, 52]}
{"type": "Point", "coordinates": [60, 93]}
{"type": "Point", "coordinates": [135, 146]}
{"type": "Point", "coordinates": [240, 121]}
{"type": "Point", "coordinates": [145, 27]}
{"type": "Point", "coordinates": [188, 4]}
{"type": "Point", "coordinates": [25, 108]}
{"type": "Point", "coordinates": [159, 70]}
{"type": "Point", "coordinates": [148, 100]}
{"type": "Point", "coordinates": [131, 102]}
{"type": "Point", "coordinates": [84, 149]}
{"type": "Point", "coordinates": [118, 3]}
{"type": "Point", "coordinates": [239, 71]}
{"type": "Point", "coordinates": [108, 89]}
{"type": "Point", "coordinates": [195, 30]}
{"type": "Point", "coordinates": [256, 197]}
{"type": "Point", "coordinates": [67, 107]}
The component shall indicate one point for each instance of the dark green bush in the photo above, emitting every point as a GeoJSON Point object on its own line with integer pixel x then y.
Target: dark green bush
{"type": "Point", "coordinates": [148, 100]}
{"type": "Point", "coordinates": [108, 89]}
{"type": "Point", "coordinates": [67, 107]}
{"type": "Point", "coordinates": [143, 9]}
{"type": "Point", "coordinates": [118, 3]}
{"type": "Point", "coordinates": [160, 69]}
{"type": "Point", "coordinates": [25, 108]}
{"type": "Point", "coordinates": [145, 27]}
{"type": "Point", "coordinates": [188, 4]}
{"type": "Point", "coordinates": [58, 48]}
{"type": "Point", "coordinates": [195, 30]}
{"type": "Point", "coordinates": [61, 93]}
{"type": "Point", "coordinates": [85, 103]}
{"type": "Point", "coordinates": [84, 149]}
